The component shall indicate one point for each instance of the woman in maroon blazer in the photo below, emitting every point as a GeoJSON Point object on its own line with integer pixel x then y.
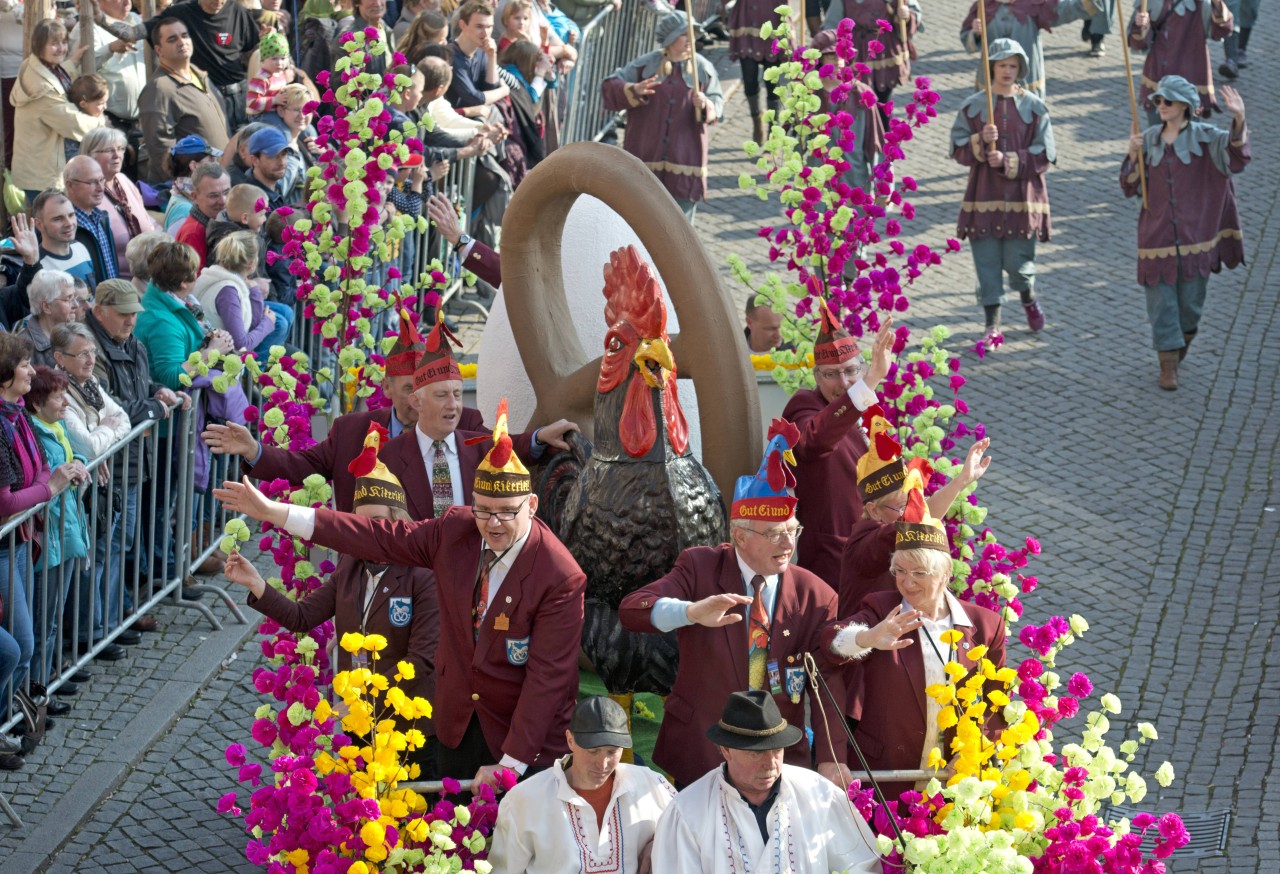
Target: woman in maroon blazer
{"type": "Point", "coordinates": [895, 640]}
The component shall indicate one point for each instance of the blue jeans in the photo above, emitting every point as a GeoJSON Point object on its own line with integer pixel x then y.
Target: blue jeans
{"type": "Point", "coordinates": [51, 593]}
{"type": "Point", "coordinates": [10, 654]}
{"type": "Point", "coordinates": [278, 335]}
{"type": "Point", "coordinates": [102, 585]}
{"type": "Point", "coordinates": [17, 609]}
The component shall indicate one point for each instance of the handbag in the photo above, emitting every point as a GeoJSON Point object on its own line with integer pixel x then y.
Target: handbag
{"type": "Point", "coordinates": [35, 716]}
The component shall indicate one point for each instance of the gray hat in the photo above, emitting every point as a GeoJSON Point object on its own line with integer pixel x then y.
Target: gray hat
{"type": "Point", "coordinates": [751, 721]}
{"type": "Point", "coordinates": [599, 721]}
{"type": "Point", "coordinates": [1178, 90]}
{"type": "Point", "coordinates": [119, 294]}
{"type": "Point", "coordinates": [670, 27]}
{"type": "Point", "coordinates": [1000, 49]}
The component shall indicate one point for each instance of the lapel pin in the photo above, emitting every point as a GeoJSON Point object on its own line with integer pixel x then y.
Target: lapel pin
{"type": "Point", "coordinates": [786, 632]}
{"type": "Point", "coordinates": [508, 599]}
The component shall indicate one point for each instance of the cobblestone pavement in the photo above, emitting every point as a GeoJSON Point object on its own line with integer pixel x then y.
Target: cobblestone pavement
{"type": "Point", "coordinates": [1157, 510]}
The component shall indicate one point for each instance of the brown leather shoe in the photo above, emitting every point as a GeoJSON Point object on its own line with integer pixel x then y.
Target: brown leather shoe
{"type": "Point", "coordinates": [213, 564]}
{"type": "Point", "coordinates": [1169, 370]}
{"type": "Point", "coordinates": [1186, 341]}
{"type": "Point", "coordinates": [146, 623]}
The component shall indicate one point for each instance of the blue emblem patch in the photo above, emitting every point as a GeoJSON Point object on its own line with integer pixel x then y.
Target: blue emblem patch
{"type": "Point", "coordinates": [518, 651]}
{"type": "Point", "coordinates": [795, 683]}
{"type": "Point", "coordinates": [400, 611]}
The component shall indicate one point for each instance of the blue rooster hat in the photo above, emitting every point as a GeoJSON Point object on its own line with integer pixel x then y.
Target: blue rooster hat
{"type": "Point", "coordinates": [768, 494]}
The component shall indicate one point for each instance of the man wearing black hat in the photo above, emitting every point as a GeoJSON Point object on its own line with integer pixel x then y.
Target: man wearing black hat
{"type": "Point", "coordinates": [586, 806]}
{"type": "Point", "coordinates": [753, 809]}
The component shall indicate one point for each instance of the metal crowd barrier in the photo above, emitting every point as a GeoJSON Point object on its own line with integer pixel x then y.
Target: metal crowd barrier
{"type": "Point", "coordinates": [138, 513]}
{"type": "Point", "coordinates": [610, 40]}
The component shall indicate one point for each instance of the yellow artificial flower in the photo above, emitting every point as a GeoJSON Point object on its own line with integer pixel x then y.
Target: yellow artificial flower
{"type": "Point", "coordinates": [977, 652]}
{"type": "Point", "coordinates": [416, 739]}
{"type": "Point", "coordinates": [373, 834]}
{"type": "Point", "coordinates": [1019, 780]}
{"type": "Point", "coordinates": [375, 642]}
{"type": "Point", "coordinates": [298, 858]}
{"type": "Point", "coordinates": [395, 807]}
{"type": "Point", "coordinates": [1025, 821]}
{"type": "Point", "coordinates": [417, 830]}
{"type": "Point", "coordinates": [323, 710]}
{"type": "Point", "coordinates": [946, 718]}
{"type": "Point", "coordinates": [379, 682]}
{"type": "Point", "coordinates": [1006, 675]}
{"type": "Point", "coordinates": [405, 670]}
{"type": "Point", "coordinates": [936, 761]}
{"type": "Point", "coordinates": [358, 868]}
{"type": "Point", "coordinates": [998, 698]}
{"type": "Point", "coordinates": [943, 693]}
{"type": "Point", "coordinates": [977, 711]}
{"type": "Point", "coordinates": [955, 671]}
{"type": "Point", "coordinates": [324, 763]}
{"type": "Point", "coordinates": [352, 641]}
{"type": "Point", "coordinates": [376, 854]}
{"type": "Point", "coordinates": [951, 636]}
{"type": "Point", "coordinates": [341, 682]}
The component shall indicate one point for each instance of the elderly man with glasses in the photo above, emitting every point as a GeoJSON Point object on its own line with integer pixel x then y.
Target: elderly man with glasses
{"type": "Point", "coordinates": [746, 619]}
{"type": "Point", "coordinates": [86, 189]}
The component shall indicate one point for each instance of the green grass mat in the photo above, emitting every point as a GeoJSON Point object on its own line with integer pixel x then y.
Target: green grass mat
{"type": "Point", "coordinates": [646, 716]}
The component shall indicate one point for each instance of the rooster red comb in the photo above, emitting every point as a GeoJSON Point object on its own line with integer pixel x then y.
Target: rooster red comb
{"type": "Point", "coordinates": [784, 429]}
{"type": "Point", "coordinates": [632, 294]}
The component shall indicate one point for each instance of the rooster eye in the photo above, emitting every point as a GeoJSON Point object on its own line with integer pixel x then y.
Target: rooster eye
{"type": "Point", "coordinates": [615, 344]}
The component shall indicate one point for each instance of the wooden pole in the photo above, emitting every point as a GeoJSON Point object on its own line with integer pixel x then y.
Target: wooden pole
{"type": "Point", "coordinates": [693, 58]}
{"type": "Point", "coordinates": [902, 24]}
{"type": "Point", "coordinates": [36, 12]}
{"type": "Point", "coordinates": [88, 63]}
{"type": "Point", "coordinates": [986, 67]}
{"type": "Point", "coordinates": [1133, 105]}
{"type": "Point", "coordinates": [149, 58]}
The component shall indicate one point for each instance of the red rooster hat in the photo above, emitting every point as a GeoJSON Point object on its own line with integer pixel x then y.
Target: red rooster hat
{"type": "Point", "coordinates": [374, 483]}
{"type": "Point", "coordinates": [402, 360]}
{"type": "Point", "coordinates": [500, 474]}
{"type": "Point", "coordinates": [880, 469]}
{"type": "Point", "coordinates": [917, 529]}
{"type": "Point", "coordinates": [834, 345]}
{"type": "Point", "coordinates": [768, 495]}
{"type": "Point", "coordinates": [438, 362]}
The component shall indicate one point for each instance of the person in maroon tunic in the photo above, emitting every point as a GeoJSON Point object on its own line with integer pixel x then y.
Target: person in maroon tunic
{"type": "Point", "coordinates": [891, 66]}
{"type": "Point", "coordinates": [1174, 38]}
{"type": "Point", "coordinates": [754, 55]}
{"type": "Point", "coordinates": [1190, 226]}
{"type": "Point", "coordinates": [864, 566]}
{"type": "Point", "coordinates": [868, 123]}
{"type": "Point", "coordinates": [1006, 203]}
{"type": "Point", "coordinates": [666, 121]}
{"type": "Point", "coordinates": [830, 442]}
{"type": "Point", "coordinates": [395, 601]}
{"type": "Point", "coordinates": [511, 602]}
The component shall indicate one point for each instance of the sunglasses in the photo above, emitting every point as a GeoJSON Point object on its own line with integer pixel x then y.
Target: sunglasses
{"type": "Point", "coordinates": [1160, 101]}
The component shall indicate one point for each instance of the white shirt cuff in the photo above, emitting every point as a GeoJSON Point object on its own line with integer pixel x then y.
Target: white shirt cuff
{"type": "Point", "coordinates": [301, 522]}
{"type": "Point", "coordinates": [466, 252]}
{"type": "Point", "coordinates": [862, 395]}
{"type": "Point", "coordinates": [846, 643]}
{"type": "Point", "coordinates": [512, 765]}
{"type": "Point", "coordinates": [668, 614]}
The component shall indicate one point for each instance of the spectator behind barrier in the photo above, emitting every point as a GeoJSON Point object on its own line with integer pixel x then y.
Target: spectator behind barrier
{"type": "Point", "coordinates": [534, 99]}
{"type": "Point", "coordinates": [367, 13]}
{"type": "Point", "coordinates": [429, 28]}
{"type": "Point", "coordinates": [209, 184]}
{"type": "Point", "coordinates": [87, 93]}
{"type": "Point", "coordinates": [86, 187]}
{"type": "Point", "coordinates": [476, 84]}
{"type": "Point", "coordinates": [233, 301]}
{"type": "Point", "coordinates": [54, 216]}
{"type": "Point", "coordinates": [126, 213]}
{"type": "Point", "coordinates": [121, 63]}
{"type": "Point", "coordinates": [289, 118]}
{"type": "Point", "coordinates": [43, 116]}
{"type": "Point", "coordinates": [184, 156]}
{"type": "Point", "coordinates": [246, 211]}
{"type": "Point", "coordinates": [53, 303]}
{"type": "Point", "coordinates": [269, 164]}
{"type": "Point", "coordinates": [137, 253]}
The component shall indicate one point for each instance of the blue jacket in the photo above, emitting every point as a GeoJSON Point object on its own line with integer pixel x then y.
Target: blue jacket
{"type": "Point", "coordinates": [66, 536]}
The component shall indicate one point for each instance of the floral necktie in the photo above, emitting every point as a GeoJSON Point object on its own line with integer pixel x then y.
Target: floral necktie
{"type": "Point", "coordinates": [441, 482]}
{"type": "Point", "coordinates": [758, 634]}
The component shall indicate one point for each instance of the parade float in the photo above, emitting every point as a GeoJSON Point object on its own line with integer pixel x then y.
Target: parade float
{"type": "Point", "coordinates": [324, 784]}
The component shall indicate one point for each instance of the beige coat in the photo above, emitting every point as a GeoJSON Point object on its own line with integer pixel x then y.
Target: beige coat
{"type": "Point", "coordinates": [43, 119]}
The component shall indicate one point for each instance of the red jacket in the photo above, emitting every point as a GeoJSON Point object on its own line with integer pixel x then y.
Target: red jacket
{"type": "Point", "coordinates": [404, 611]}
{"type": "Point", "coordinates": [886, 689]}
{"type": "Point", "coordinates": [713, 661]}
{"type": "Point", "coordinates": [485, 264]}
{"type": "Point", "coordinates": [864, 565]}
{"type": "Point", "coordinates": [521, 682]}
{"type": "Point", "coordinates": [826, 477]}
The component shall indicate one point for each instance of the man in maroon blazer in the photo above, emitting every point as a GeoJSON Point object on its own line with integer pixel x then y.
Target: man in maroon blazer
{"type": "Point", "coordinates": [830, 442]}
{"type": "Point", "coordinates": [786, 607]}
{"type": "Point", "coordinates": [511, 602]}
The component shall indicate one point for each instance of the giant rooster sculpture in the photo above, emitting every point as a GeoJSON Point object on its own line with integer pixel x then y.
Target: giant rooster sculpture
{"type": "Point", "coordinates": [627, 505]}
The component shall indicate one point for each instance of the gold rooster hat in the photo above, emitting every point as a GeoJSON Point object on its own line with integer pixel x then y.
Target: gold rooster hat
{"type": "Point", "coordinates": [500, 474]}
{"type": "Point", "coordinates": [880, 469]}
{"type": "Point", "coordinates": [374, 483]}
{"type": "Point", "coordinates": [437, 363]}
{"type": "Point", "coordinates": [402, 360]}
{"type": "Point", "coordinates": [834, 345]}
{"type": "Point", "coordinates": [917, 529]}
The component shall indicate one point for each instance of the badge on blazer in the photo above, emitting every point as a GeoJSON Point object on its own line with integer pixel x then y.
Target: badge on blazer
{"type": "Point", "coordinates": [400, 611]}
{"type": "Point", "coordinates": [795, 683]}
{"type": "Point", "coordinates": [518, 651]}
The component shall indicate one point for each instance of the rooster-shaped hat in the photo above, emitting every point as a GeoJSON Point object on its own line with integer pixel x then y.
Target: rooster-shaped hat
{"type": "Point", "coordinates": [437, 363]}
{"type": "Point", "coordinates": [374, 483]}
{"type": "Point", "coordinates": [500, 474]}
{"type": "Point", "coordinates": [880, 469]}
{"type": "Point", "coordinates": [917, 529]}
{"type": "Point", "coordinates": [768, 495]}
{"type": "Point", "coordinates": [834, 345]}
{"type": "Point", "coordinates": [402, 359]}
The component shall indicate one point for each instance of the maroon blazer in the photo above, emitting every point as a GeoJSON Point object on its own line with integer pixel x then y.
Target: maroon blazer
{"type": "Point", "coordinates": [484, 263]}
{"type": "Point", "coordinates": [864, 566]}
{"type": "Point", "coordinates": [403, 457]}
{"type": "Point", "coordinates": [886, 689]}
{"type": "Point", "coordinates": [404, 611]}
{"type": "Point", "coordinates": [713, 661]}
{"type": "Point", "coordinates": [521, 682]}
{"type": "Point", "coordinates": [826, 477]}
{"type": "Point", "coordinates": [330, 456]}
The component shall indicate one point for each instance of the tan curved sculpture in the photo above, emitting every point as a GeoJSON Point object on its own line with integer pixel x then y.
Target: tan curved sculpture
{"type": "Point", "coordinates": [562, 373]}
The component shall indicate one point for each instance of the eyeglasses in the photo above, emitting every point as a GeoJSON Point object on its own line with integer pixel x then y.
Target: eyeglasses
{"type": "Point", "coordinates": [92, 183]}
{"type": "Point", "coordinates": [500, 515]}
{"type": "Point", "coordinates": [776, 537]}
{"type": "Point", "coordinates": [110, 150]}
{"type": "Point", "coordinates": [917, 576]}
{"type": "Point", "coordinates": [86, 355]}
{"type": "Point", "coordinates": [851, 373]}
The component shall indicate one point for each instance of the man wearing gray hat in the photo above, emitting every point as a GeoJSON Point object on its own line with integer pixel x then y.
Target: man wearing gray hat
{"type": "Point", "coordinates": [1006, 204]}
{"type": "Point", "coordinates": [754, 813]}
{"type": "Point", "coordinates": [667, 112]}
{"type": "Point", "coordinates": [585, 809]}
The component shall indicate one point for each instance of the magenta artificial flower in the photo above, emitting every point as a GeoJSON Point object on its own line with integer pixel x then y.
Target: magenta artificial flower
{"type": "Point", "coordinates": [1079, 685]}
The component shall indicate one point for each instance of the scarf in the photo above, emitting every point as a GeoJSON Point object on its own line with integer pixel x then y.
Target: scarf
{"type": "Point", "coordinates": [17, 469]}
{"type": "Point", "coordinates": [88, 391]}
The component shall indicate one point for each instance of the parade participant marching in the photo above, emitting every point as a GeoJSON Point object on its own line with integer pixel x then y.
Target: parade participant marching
{"type": "Point", "coordinates": [890, 67]}
{"type": "Point", "coordinates": [864, 567]}
{"type": "Point", "coordinates": [1006, 203]}
{"type": "Point", "coordinates": [1095, 29]}
{"type": "Point", "coordinates": [511, 601]}
{"type": "Point", "coordinates": [1022, 21]}
{"type": "Point", "coordinates": [706, 596]}
{"type": "Point", "coordinates": [1191, 226]}
{"type": "Point", "coordinates": [1175, 41]}
{"type": "Point", "coordinates": [754, 55]}
{"type": "Point", "coordinates": [392, 600]}
{"type": "Point", "coordinates": [667, 112]}
{"type": "Point", "coordinates": [830, 442]}
{"type": "Point", "coordinates": [587, 806]}
{"type": "Point", "coordinates": [751, 811]}
{"type": "Point", "coordinates": [868, 123]}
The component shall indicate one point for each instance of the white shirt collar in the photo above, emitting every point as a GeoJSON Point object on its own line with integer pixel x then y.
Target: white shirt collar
{"type": "Point", "coordinates": [508, 559]}
{"type": "Point", "coordinates": [959, 618]}
{"type": "Point", "coordinates": [747, 574]}
{"type": "Point", "coordinates": [425, 443]}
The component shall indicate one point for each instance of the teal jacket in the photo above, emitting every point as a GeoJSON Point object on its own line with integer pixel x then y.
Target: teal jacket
{"type": "Point", "coordinates": [170, 332]}
{"type": "Point", "coordinates": [66, 537]}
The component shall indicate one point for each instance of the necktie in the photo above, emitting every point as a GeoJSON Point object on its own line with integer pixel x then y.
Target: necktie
{"type": "Point", "coordinates": [482, 592]}
{"type": "Point", "coordinates": [758, 634]}
{"type": "Point", "coordinates": [441, 483]}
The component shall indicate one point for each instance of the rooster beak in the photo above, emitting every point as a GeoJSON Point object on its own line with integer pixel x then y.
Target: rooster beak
{"type": "Point", "coordinates": [790, 457]}
{"type": "Point", "coordinates": [655, 362]}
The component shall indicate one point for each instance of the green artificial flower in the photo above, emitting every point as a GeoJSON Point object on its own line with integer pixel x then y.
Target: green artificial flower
{"type": "Point", "coordinates": [1164, 774]}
